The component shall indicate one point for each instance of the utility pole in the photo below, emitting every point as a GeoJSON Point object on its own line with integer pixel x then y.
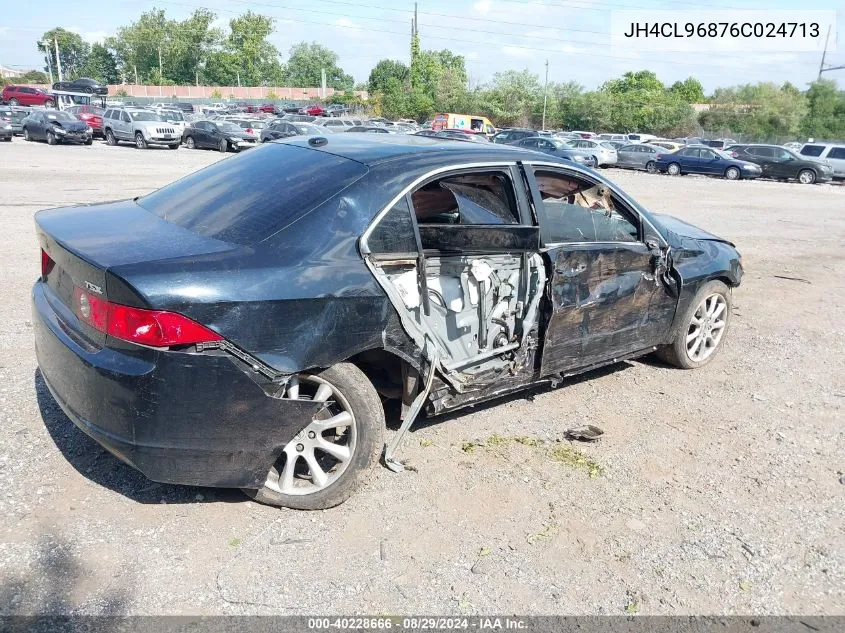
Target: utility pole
{"type": "Point", "coordinates": [238, 73]}
{"type": "Point", "coordinates": [135, 68]}
{"type": "Point", "coordinates": [323, 82]}
{"type": "Point", "coordinates": [822, 68]}
{"type": "Point", "coordinates": [160, 68]}
{"type": "Point", "coordinates": [545, 94]}
{"type": "Point", "coordinates": [58, 60]}
{"type": "Point", "coordinates": [46, 46]}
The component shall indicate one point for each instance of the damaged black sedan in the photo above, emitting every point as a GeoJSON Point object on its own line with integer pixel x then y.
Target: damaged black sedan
{"type": "Point", "coordinates": [243, 327]}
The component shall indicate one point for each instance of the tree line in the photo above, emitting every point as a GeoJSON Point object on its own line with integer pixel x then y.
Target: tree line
{"type": "Point", "coordinates": [156, 49]}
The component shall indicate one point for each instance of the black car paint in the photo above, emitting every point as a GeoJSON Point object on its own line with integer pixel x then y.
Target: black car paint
{"type": "Point", "coordinates": [90, 86]}
{"type": "Point", "coordinates": [37, 124]}
{"type": "Point", "coordinates": [211, 138]}
{"type": "Point", "coordinates": [776, 167]}
{"type": "Point", "coordinates": [302, 298]}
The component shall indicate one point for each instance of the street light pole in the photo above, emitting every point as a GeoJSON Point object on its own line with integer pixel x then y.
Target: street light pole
{"type": "Point", "coordinates": [58, 60]}
{"type": "Point", "coordinates": [545, 94]}
{"type": "Point", "coordinates": [47, 54]}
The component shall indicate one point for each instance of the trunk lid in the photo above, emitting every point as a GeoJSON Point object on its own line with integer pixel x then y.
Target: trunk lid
{"type": "Point", "coordinates": [83, 243]}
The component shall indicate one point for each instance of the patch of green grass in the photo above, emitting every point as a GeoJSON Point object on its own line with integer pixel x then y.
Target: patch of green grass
{"type": "Point", "coordinates": [632, 607]}
{"type": "Point", "coordinates": [574, 458]}
{"type": "Point", "coordinates": [426, 443]}
{"type": "Point", "coordinates": [234, 542]}
{"type": "Point", "coordinates": [484, 551]}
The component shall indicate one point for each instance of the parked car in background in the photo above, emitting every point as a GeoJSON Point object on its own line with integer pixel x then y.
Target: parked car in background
{"type": "Point", "coordinates": [556, 147]}
{"type": "Point", "coordinates": [315, 109]}
{"type": "Point", "coordinates": [425, 133]}
{"type": "Point", "coordinates": [638, 156]}
{"type": "Point", "coordinates": [602, 151]}
{"type": "Point", "coordinates": [580, 134]}
{"type": "Point", "coordinates": [462, 135]}
{"type": "Point", "coordinates": [513, 134]}
{"type": "Point", "coordinates": [622, 138]}
{"type": "Point", "coordinates": [250, 126]}
{"type": "Point", "coordinates": [299, 118]}
{"type": "Point", "coordinates": [91, 115]}
{"type": "Point", "coordinates": [6, 132]}
{"type": "Point", "coordinates": [336, 124]}
{"type": "Point", "coordinates": [220, 135]}
{"type": "Point", "coordinates": [246, 106]}
{"type": "Point", "coordinates": [56, 126]}
{"type": "Point", "coordinates": [706, 161]}
{"type": "Point", "coordinates": [832, 153]}
{"type": "Point", "coordinates": [174, 117]}
{"type": "Point", "coordinates": [641, 138]}
{"type": "Point", "coordinates": [138, 126]}
{"type": "Point", "coordinates": [719, 143]}
{"type": "Point", "coordinates": [185, 106]}
{"type": "Point", "coordinates": [794, 146]}
{"type": "Point", "coordinates": [371, 129]}
{"type": "Point", "coordinates": [285, 129]}
{"type": "Point", "coordinates": [26, 96]}
{"type": "Point", "coordinates": [18, 115]}
{"type": "Point", "coordinates": [782, 164]}
{"type": "Point", "coordinates": [672, 146]}
{"type": "Point", "coordinates": [269, 108]}
{"type": "Point", "coordinates": [83, 84]}
{"type": "Point", "coordinates": [336, 109]}
{"type": "Point", "coordinates": [239, 326]}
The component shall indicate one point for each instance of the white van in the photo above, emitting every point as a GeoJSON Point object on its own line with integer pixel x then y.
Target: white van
{"type": "Point", "coordinates": [831, 153]}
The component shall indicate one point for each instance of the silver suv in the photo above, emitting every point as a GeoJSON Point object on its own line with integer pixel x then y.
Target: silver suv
{"type": "Point", "coordinates": [139, 126]}
{"type": "Point", "coordinates": [831, 153]}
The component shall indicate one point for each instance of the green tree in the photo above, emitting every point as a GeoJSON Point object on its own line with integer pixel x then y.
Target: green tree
{"type": "Point", "coordinates": [73, 51]}
{"type": "Point", "coordinates": [257, 59]}
{"type": "Point", "coordinates": [825, 111]}
{"type": "Point", "coordinates": [689, 90]}
{"type": "Point", "coordinates": [101, 65]}
{"type": "Point", "coordinates": [511, 98]}
{"type": "Point", "coordinates": [762, 112]}
{"type": "Point", "coordinates": [35, 77]}
{"type": "Point", "coordinates": [640, 81]}
{"type": "Point", "coordinates": [306, 63]}
{"type": "Point", "coordinates": [385, 70]}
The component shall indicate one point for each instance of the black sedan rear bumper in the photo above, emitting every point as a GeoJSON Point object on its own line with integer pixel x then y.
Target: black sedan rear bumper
{"type": "Point", "coordinates": [177, 417]}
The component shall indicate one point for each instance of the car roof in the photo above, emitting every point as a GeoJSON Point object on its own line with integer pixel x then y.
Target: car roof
{"type": "Point", "coordinates": [372, 149]}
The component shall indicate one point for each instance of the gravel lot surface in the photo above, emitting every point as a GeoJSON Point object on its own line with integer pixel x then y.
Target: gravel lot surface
{"type": "Point", "coordinates": [713, 491]}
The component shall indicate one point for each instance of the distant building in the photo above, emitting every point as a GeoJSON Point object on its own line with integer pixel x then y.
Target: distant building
{"type": "Point", "coordinates": [5, 71]}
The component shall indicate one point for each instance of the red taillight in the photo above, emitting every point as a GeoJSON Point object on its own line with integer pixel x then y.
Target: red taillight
{"type": "Point", "coordinates": [249, 131]}
{"type": "Point", "coordinates": [658, 156]}
{"type": "Point", "coordinates": [155, 328]}
{"type": "Point", "coordinates": [46, 263]}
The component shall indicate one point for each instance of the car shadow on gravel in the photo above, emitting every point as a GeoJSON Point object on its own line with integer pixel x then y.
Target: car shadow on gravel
{"type": "Point", "coordinates": [43, 596]}
{"type": "Point", "coordinates": [99, 466]}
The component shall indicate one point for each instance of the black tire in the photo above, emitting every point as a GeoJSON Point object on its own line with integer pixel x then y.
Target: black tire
{"type": "Point", "coordinates": [223, 145]}
{"type": "Point", "coordinates": [807, 176]}
{"type": "Point", "coordinates": [26, 135]}
{"type": "Point", "coordinates": [174, 146]}
{"type": "Point", "coordinates": [140, 141]}
{"type": "Point", "coordinates": [366, 407]}
{"type": "Point", "coordinates": [13, 102]}
{"type": "Point", "coordinates": [110, 138]}
{"type": "Point", "coordinates": [651, 167]}
{"type": "Point", "coordinates": [676, 353]}
{"type": "Point", "coordinates": [51, 138]}
{"type": "Point", "coordinates": [673, 169]}
{"type": "Point", "coordinates": [189, 143]}
{"type": "Point", "coordinates": [733, 173]}
{"type": "Point", "coordinates": [90, 141]}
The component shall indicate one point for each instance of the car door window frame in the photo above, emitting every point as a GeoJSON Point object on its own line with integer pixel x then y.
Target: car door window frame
{"type": "Point", "coordinates": [625, 207]}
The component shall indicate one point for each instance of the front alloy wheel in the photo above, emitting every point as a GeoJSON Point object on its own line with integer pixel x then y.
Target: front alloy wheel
{"type": "Point", "coordinates": [807, 177]}
{"type": "Point", "coordinates": [732, 173]}
{"type": "Point", "coordinates": [223, 146]}
{"type": "Point", "coordinates": [324, 463]}
{"type": "Point", "coordinates": [140, 141]}
{"type": "Point", "coordinates": [703, 328]}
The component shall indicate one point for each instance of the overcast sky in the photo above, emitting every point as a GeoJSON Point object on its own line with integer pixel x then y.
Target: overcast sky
{"type": "Point", "coordinates": [493, 35]}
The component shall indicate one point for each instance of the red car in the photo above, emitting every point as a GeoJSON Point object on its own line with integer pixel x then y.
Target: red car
{"type": "Point", "coordinates": [26, 96]}
{"type": "Point", "coordinates": [92, 115]}
{"type": "Point", "coordinates": [315, 110]}
{"type": "Point", "coordinates": [270, 108]}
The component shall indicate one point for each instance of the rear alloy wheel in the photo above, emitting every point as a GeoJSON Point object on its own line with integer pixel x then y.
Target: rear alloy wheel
{"type": "Point", "coordinates": [13, 102]}
{"type": "Point", "coordinates": [140, 141]}
{"type": "Point", "coordinates": [674, 169]}
{"type": "Point", "coordinates": [703, 328]}
{"type": "Point", "coordinates": [51, 138]}
{"type": "Point", "coordinates": [325, 463]}
{"type": "Point", "coordinates": [189, 143]}
{"type": "Point", "coordinates": [110, 139]}
{"type": "Point", "coordinates": [223, 146]}
{"type": "Point", "coordinates": [806, 176]}
{"type": "Point", "coordinates": [732, 173]}
{"type": "Point", "coordinates": [651, 167]}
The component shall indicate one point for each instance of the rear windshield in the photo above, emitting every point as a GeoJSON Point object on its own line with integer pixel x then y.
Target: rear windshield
{"type": "Point", "coordinates": [247, 198]}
